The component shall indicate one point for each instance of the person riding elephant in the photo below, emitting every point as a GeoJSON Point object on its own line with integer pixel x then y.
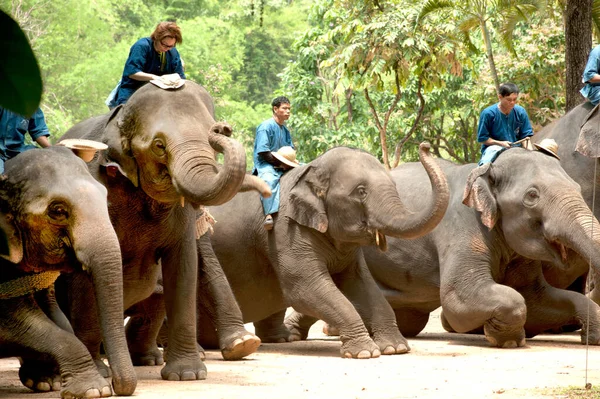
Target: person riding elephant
{"type": "Point", "coordinates": [311, 259]}
{"type": "Point", "coordinates": [482, 263]}
{"type": "Point", "coordinates": [159, 168]}
{"type": "Point", "coordinates": [56, 219]}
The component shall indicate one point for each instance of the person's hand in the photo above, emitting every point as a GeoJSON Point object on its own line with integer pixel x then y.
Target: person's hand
{"type": "Point", "coordinates": [505, 144]}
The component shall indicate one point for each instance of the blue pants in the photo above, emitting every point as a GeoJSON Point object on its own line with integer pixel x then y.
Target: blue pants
{"type": "Point", "coordinates": [271, 176]}
{"type": "Point", "coordinates": [491, 153]}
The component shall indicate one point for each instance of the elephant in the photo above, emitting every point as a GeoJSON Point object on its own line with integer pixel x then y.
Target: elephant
{"type": "Point", "coordinates": [483, 262]}
{"type": "Point", "coordinates": [580, 125]}
{"type": "Point", "coordinates": [56, 219]}
{"type": "Point", "coordinates": [312, 258]}
{"type": "Point", "coordinates": [158, 169]}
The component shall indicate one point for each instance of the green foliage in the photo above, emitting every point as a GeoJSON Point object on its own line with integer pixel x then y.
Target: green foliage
{"type": "Point", "coordinates": [19, 72]}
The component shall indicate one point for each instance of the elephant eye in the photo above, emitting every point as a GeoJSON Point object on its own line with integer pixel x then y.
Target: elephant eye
{"type": "Point", "coordinates": [532, 196]}
{"type": "Point", "coordinates": [158, 147]}
{"type": "Point", "coordinates": [362, 192]}
{"type": "Point", "coordinates": [58, 211]}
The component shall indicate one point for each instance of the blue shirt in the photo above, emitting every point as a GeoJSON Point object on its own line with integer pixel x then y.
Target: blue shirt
{"type": "Point", "coordinates": [270, 136]}
{"type": "Point", "coordinates": [144, 58]}
{"type": "Point", "coordinates": [591, 91]}
{"type": "Point", "coordinates": [13, 128]}
{"type": "Point", "coordinates": [512, 127]}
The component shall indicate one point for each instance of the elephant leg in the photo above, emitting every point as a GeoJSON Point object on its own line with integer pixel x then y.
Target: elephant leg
{"type": "Point", "coordinates": [272, 329]}
{"type": "Point", "coordinates": [38, 334]}
{"type": "Point", "coordinates": [84, 317]}
{"type": "Point", "coordinates": [360, 288]}
{"type": "Point", "coordinates": [552, 308]}
{"type": "Point", "coordinates": [499, 309]}
{"type": "Point", "coordinates": [411, 321]}
{"type": "Point", "coordinates": [446, 325]}
{"type": "Point", "coordinates": [180, 276]}
{"type": "Point", "coordinates": [298, 324]}
{"type": "Point", "coordinates": [145, 320]}
{"type": "Point", "coordinates": [216, 299]}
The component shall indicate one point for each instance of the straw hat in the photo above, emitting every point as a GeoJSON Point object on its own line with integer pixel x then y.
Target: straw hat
{"type": "Point", "coordinates": [84, 149]}
{"type": "Point", "coordinates": [286, 155]}
{"type": "Point", "coordinates": [548, 146]}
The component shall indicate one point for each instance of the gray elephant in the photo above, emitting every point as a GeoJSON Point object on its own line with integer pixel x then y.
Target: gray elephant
{"type": "Point", "coordinates": [579, 127]}
{"type": "Point", "coordinates": [56, 218]}
{"type": "Point", "coordinates": [159, 167]}
{"type": "Point", "coordinates": [311, 259]}
{"type": "Point", "coordinates": [482, 263]}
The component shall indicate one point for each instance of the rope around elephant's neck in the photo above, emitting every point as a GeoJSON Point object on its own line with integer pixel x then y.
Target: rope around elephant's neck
{"type": "Point", "coordinates": [27, 284]}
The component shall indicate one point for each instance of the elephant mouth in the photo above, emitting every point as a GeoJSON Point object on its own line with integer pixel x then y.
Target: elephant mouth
{"type": "Point", "coordinates": [380, 240]}
{"type": "Point", "coordinates": [560, 250]}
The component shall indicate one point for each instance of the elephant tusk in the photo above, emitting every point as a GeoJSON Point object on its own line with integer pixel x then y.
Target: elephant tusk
{"type": "Point", "coordinates": [377, 237]}
{"type": "Point", "coordinates": [563, 253]}
{"type": "Point", "coordinates": [182, 200]}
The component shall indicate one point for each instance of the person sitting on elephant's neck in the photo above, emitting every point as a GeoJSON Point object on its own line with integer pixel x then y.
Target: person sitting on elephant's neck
{"type": "Point", "coordinates": [13, 128]}
{"type": "Point", "coordinates": [149, 58]}
{"type": "Point", "coordinates": [503, 124]}
{"type": "Point", "coordinates": [591, 77]}
{"type": "Point", "coordinates": [271, 136]}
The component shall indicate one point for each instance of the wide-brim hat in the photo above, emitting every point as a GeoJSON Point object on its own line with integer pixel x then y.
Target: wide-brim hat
{"type": "Point", "coordinates": [286, 155]}
{"type": "Point", "coordinates": [170, 81]}
{"type": "Point", "coordinates": [549, 146]}
{"type": "Point", "coordinates": [85, 149]}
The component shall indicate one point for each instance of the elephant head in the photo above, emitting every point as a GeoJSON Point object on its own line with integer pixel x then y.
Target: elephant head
{"type": "Point", "coordinates": [165, 141]}
{"type": "Point", "coordinates": [56, 218]}
{"type": "Point", "coordinates": [536, 205]}
{"type": "Point", "coordinates": [351, 196]}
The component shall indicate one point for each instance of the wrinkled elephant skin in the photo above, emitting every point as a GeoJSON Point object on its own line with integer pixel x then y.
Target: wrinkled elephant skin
{"type": "Point", "coordinates": [56, 217]}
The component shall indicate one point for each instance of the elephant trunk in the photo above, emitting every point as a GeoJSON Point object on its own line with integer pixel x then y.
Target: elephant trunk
{"type": "Point", "coordinates": [207, 183]}
{"type": "Point", "coordinates": [97, 248]}
{"type": "Point", "coordinates": [581, 233]}
{"type": "Point", "coordinates": [395, 220]}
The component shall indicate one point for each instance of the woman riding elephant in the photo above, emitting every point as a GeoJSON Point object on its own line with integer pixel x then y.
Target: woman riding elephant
{"type": "Point", "coordinates": [159, 167]}
{"type": "Point", "coordinates": [482, 263]}
{"type": "Point", "coordinates": [56, 219]}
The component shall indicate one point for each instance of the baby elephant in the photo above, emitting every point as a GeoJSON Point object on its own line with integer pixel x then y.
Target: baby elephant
{"type": "Point", "coordinates": [55, 217]}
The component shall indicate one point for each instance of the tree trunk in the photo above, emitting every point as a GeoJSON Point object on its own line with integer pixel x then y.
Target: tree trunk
{"type": "Point", "coordinates": [578, 43]}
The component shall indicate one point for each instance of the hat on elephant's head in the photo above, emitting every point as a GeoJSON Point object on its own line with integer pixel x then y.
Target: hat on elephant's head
{"type": "Point", "coordinates": [549, 146]}
{"type": "Point", "coordinates": [286, 155]}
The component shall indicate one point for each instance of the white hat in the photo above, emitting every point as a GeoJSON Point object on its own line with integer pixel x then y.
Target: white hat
{"type": "Point", "coordinates": [84, 149]}
{"type": "Point", "coordinates": [548, 146]}
{"type": "Point", "coordinates": [286, 155]}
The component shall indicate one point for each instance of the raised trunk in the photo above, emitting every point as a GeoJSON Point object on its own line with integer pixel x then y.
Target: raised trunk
{"type": "Point", "coordinates": [395, 220]}
{"type": "Point", "coordinates": [97, 248]}
{"type": "Point", "coordinates": [209, 184]}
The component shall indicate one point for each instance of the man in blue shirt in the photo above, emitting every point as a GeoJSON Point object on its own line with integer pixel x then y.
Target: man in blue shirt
{"type": "Point", "coordinates": [591, 77]}
{"type": "Point", "coordinates": [502, 124]}
{"type": "Point", "coordinates": [271, 135]}
{"type": "Point", "coordinates": [13, 128]}
{"type": "Point", "coordinates": [149, 58]}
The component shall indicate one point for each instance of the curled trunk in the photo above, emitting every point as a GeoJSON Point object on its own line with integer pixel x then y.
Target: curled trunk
{"type": "Point", "coordinates": [395, 220]}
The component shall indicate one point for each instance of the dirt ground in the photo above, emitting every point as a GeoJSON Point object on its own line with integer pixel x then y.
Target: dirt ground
{"type": "Point", "coordinates": [439, 365]}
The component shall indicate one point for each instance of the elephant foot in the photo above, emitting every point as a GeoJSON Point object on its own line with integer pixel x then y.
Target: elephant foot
{"type": "Point", "coordinates": [392, 345]}
{"type": "Point", "coordinates": [40, 376]}
{"type": "Point", "coordinates": [189, 369]}
{"type": "Point", "coordinates": [277, 335]}
{"type": "Point", "coordinates": [330, 330]}
{"type": "Point", "coordinates": [86, 385]}
{"type": "Point", "coordinates": [592, 339]}
{"type": "Point", "coordinates": [296, 333]}
{"type": "Point", "coordinates": [445, 324]}
{"type": "Point", "coordinates": [201, 353]}
{"type": "Point", "coordinates": [241, 347]}
{"type": "Point", "coordinates": [503, 339]}
{"type": "Point", "coordinates": [153, 357]}
{"type": "Point", "coordinates": [360, 348]}
{"type": "Point", "coordinates": [102, 368]}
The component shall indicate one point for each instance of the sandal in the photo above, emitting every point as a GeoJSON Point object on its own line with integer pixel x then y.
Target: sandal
{"type": "Point", "coordinates": [268, 224]}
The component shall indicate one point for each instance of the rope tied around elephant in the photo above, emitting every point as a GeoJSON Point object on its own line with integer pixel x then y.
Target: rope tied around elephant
{"type": "Point", "coordinates": [27, 284]}
{"type": "Point", "coordinates": [204, 222]}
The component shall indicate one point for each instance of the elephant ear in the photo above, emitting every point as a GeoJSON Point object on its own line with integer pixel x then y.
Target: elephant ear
{"type": "Point", "coordinates": [8, 226]}
{"type": "Point", "coordinates": [118, 156]}
{"type": "Point", "coordinates": [478, 195]}
{"type": "Point", "coordinates": [306, 204]}
{"type": "Point", "coordinates": [588, 143]}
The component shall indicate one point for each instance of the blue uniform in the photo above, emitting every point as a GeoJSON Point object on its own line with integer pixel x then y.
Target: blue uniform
{"type": "Point", "coordinates": [495, 124]}
{"type": "Point", "coordinates": [270, 136]}
{"type": "Point", "coordinates": [591, 91]}
{"type": "Point", "coordinates": [144, 58]}
{"type": "Point", "coordinates": [13, 128]}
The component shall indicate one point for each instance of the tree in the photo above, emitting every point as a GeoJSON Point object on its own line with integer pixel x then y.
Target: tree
{"type": "Point", "coordinates": [478, 14]}
{"type": "Point", "coordinates": [578, 37]}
